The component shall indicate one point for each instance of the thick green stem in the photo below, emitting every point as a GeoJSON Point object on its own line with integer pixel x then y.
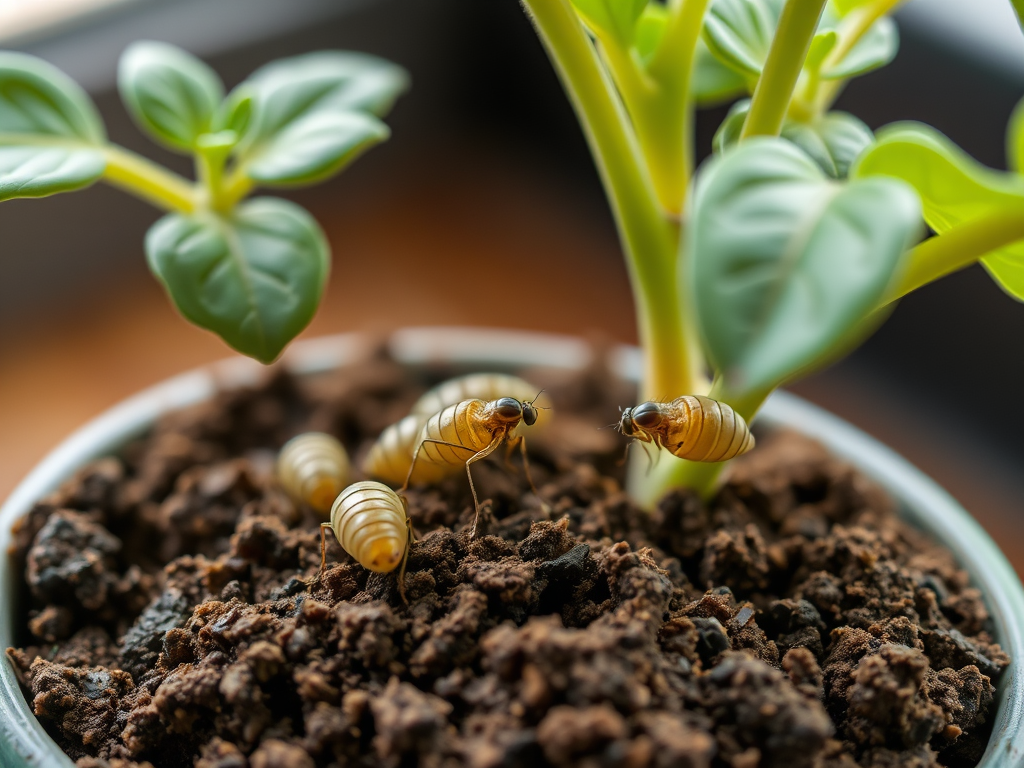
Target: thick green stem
{"type": "Point", "coordinates": [649, 240]}
{"type": "Point", "coordinates": [781, 71]}
{"type": "Point", "coordinates": [659, 103]}
{"type": "Point", "coordinates": [960, 247]}
{"type": "Point", "coordinates": [144, 178]}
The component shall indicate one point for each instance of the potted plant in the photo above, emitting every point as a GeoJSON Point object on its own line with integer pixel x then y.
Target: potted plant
{"type": "Point", "coordinates": [786, 249]}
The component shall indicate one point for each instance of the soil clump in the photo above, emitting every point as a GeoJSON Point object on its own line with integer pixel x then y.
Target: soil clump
{"type": "Point", "coordinates": [793, 622]}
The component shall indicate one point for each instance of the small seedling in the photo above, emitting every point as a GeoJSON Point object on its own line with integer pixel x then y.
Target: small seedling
{"type": "Point", "coordinates": [250, 270]}
{"type": "Point", "coordinates": [793, 242]}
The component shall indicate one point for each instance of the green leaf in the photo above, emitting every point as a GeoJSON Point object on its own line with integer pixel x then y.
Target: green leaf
{"type": "Point", "coordinates": [739, 32]}
{"type": "Point", "coordinates": [37, 99]}
{"type": "Point", "coordinates": [1018, 9]}
{"type": "Point", "coordinates": [313, 114]}
{"type": "Point", "coordinates": [821, 46]}
{"type": "Point", "coordinates": [615, 19]}
{"type": "Point", "coordinates": [315, 148]}
{"type": "Point", "coordinates": [713, 82]}
{"type": "Point", "coordinates": [42, 171]}
{"type": "Point", "coordinates": [51, 136]}
{"type": "Point", "coordinates": [875, 49]}
{"type": "Point", "coordinates": [785, 264]}
{"type": "Point", "coordinates": [954, 189]}
{"type": "Point", "coordinates": [833, 141]}
{"type": "Point", "coordinates": [170, 93]}
{"type": "Point", "coordinates": [843, 7]}
{"type": "Point", "coordinates": [254, 278]}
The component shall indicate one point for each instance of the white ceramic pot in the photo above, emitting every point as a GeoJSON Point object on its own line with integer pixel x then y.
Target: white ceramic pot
{"type": "Point", "coordinates": [24, 743]}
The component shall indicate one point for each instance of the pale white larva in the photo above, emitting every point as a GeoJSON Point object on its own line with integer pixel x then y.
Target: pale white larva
{"type": "Point", "coordinates": [313, 467]}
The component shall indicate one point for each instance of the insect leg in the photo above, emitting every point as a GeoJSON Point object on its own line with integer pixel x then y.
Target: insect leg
{"type": "Point", "coordinates": [323, 551]}
{"type": "Point", "coordinates": [405, 560]}
{"type": "Point", "coordinates": [476, 457]}
{"type": "Point", "coordinates": [416, 455]}
{"type": "Point", "coordinates": [529, 478]}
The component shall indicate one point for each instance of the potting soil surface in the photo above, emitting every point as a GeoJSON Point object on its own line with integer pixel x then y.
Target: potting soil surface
{"type": "Point", "coordinates": [170, 617]}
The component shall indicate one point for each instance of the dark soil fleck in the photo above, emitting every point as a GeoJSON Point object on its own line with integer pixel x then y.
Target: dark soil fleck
{"type": "Point", "coordinates": [795, 621]}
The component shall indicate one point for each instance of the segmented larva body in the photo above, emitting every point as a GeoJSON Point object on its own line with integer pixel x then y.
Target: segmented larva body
{"type": "Point", "coordinates": [476, 386]}
{"type": "Point", "coordinates": [371, 524]}
{"type": "Point", "coordinates": [453, 435]}
{"type": "Point", "coordinates": [313, 467]}
{"type": "Point", "coordinates": [390, 457]}
{"type": "Point", "coordinates": [691, 427]}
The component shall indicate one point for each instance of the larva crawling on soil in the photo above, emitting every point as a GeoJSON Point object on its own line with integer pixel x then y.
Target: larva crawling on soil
{"type": "Point", "coordinates": [463, 434]}
{"type": "Point", "coordinates": [313, 468]}
{"type": "Point", "coordinates": [371, 522]}
{"type": "Point", "coordinates": [691, 427]}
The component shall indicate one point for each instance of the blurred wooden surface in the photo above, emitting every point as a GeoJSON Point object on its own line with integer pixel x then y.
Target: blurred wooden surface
{"type": "Point", "coordinates": [503, 248]}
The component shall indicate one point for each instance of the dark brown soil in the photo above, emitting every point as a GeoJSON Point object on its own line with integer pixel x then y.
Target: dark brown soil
{"type": "Point", "coordinates": [794, 622]}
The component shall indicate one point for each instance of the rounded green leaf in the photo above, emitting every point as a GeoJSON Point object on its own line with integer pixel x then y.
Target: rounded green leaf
{"type": "Point", "coordinates": [170, 93]}
{"type": "Point", "coordinates": [615, 19]}
{"type": "Point", "coordinates": [739, 32]}
{"type": "Point", "coordinates": [254, 278]}
{"type": "Point", "coordinates": [784, 264]}
{"type": "Point", "coordinates": [315, 148]}
{"type": "Point", "coordinates": [713, 82]}
{"type": "Point", "coordinates": [954, 189]}
{"type": "Point", "coordinates": [50, 133]}
{"type": "Point", "coordinates": [875, 49]}
{"type": "Point", "coordinates": [38, 171]}
{"type": "Point", "coordinates": [38, 100]}
{"type": "Point", "coordinates": [297, 102]}
{"type": "Point", "coordinates": [833, 141]}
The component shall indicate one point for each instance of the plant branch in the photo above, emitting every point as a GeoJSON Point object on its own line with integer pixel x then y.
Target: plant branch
{"type": "Point", "coordinates": [649, 240]}
{"type": "Point", "coordinates": [781, 71]}
{"type": "Point", "coordinates": [854, 26]}
{"type": "Point", "coordinates": [144, 178]}
{"type": "Point", "coordinates": [960, 247]}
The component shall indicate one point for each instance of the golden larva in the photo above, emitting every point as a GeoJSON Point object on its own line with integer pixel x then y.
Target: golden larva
{"type": "Point", "coordinates": [463, 434]}
{"type": "Point", "coordinates": [313, 467]}
{"type": "Point", "coordinates": [391, 456]}
{"type": "Point", "coordinates": [478, 386]}
{"type": "Point", "coordinates": [691, 427]}
{"type": "Point", "coordinates": [371, 522]}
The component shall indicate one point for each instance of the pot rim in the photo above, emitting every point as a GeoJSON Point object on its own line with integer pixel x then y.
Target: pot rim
{"type": "Point", "coordinates": [922, 502]}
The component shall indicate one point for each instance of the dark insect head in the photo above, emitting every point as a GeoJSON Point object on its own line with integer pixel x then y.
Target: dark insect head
{"type": "Point", "coordinates": [530, 409]}
{"type": "Point", "coordinates": [626, 425]}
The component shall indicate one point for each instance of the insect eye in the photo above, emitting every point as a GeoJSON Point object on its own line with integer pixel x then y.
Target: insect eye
{"type": "Point", "coordinates": [529, 414]}
{"type": "Point", "coordinates": [647, 415]}
{"type": "Point", "coordinates": [509, 408]}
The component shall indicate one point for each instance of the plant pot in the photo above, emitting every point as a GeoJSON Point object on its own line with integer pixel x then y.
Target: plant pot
{"type": "Point", "coordinates": [23, 741]}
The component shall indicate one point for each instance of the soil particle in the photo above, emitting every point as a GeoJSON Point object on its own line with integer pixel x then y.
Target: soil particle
{"type": "Point", "coordinates": [171, 617]}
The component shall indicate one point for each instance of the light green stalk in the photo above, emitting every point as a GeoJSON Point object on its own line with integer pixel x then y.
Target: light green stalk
{"type": "Point", "coordinates": [650, 241]}
{"type": "Point", "coordinates": [956, 249]}
{"type": "Point", "coordinates": [144, 178]}
{"type": "Point", "coordinates": [786, 56]}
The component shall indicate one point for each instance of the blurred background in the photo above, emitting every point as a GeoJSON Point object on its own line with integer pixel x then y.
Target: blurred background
{"type": "Point", "coordinates": [487, 180]}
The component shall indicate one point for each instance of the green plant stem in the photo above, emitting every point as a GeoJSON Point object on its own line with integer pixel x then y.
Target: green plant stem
{"type": "Point", "coordinates": [853, 28]}
{"type": "Point", "coordinates": [781, 71]}
{"type": "Point", "coordinates": [960, 247]}
{"type": "Point", "coordinates": [144, 178]}
{"type": "Point", "coordinates": [650, 241]}
{"type": "Point", "coordinates": [659, 102]}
